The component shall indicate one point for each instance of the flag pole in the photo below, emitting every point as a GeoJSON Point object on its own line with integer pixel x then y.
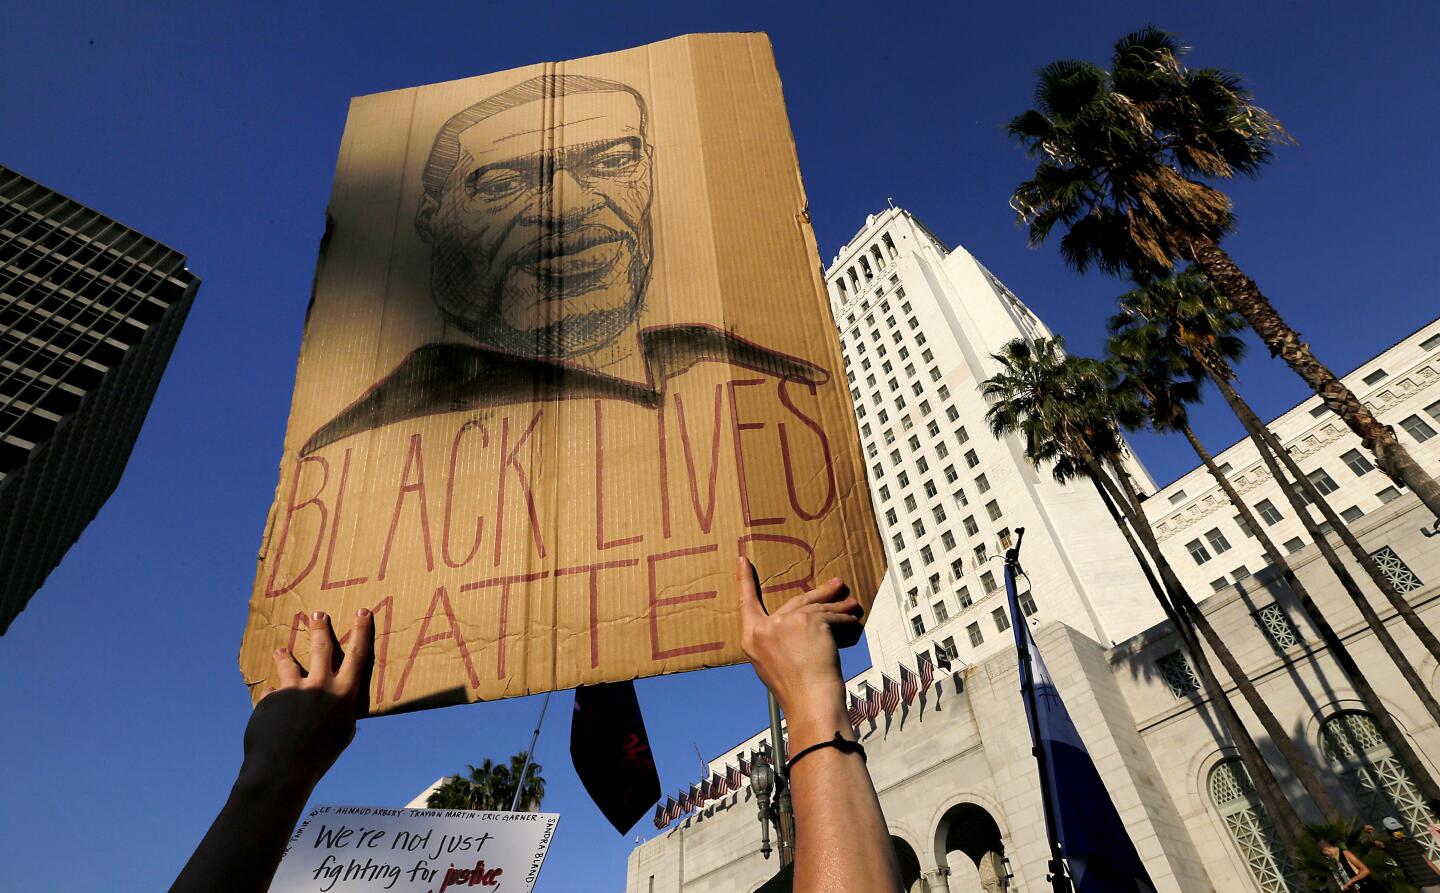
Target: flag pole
{"type": "Point", "coordinates": [534, 739]}
{"type": "Point", "coordinates": [1059, 878]}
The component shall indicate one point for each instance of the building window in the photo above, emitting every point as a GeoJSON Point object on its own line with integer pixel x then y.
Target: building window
{"type": "Point", "coordinates": [1430, 343]}
{"type": "Point", "coordinates": [1027, 603]}
{"type": "Point", "coordinates": [961, 498]}
{"type": "Point", "coordinates": [965, 599]}
{"type": "Point", "coordinates": [1225, 468]}
{"type": "Point", "coordinates": [914, 441]}
{"type": "Point", "coordinates": [910, 503]}
{"type": "Point", "coordinates": [1374, 377]}
{"type": "Point", "coordinates": [891, 517]}
{"type": "Point", "coordinates": [1318, 411]}
{"type": "Point", "coordinates": [971, 459]}
{"type": "Point", "coordinates": [982, 483]}
{"type": "Point", "coordinates": [1218, 584]}
{"type": "Point", "coordinates": [992, 508]}
{"type": "Point", "coordinates": [1352, 514]}
{"type": "Point", "coordinates": [934, 374]}
{"type": "Point", "coordinates": [1276, 625]}
{"type": "Point", "coordinates": [1244, 528]}
{"type": "Point", "coordinates": [1240, 573]}
{"type": "Point", "coordinates": [952, 414]}
{"type": "Point", "coordinates": [951, 475]}
{"type": "Point", "coordinates": [1294, 544]}
{"type": "Point", "coordinates": [957, 568]}
{"type": "Point", "coordinates": [1323, 482]}
{"type": "Point", "coordinates": [987, 582]}
{"type": "Point", "coordinates": [1002, 620]}
{"type": "Point", "coordinates": [903, 478]}
{"type": "Point", "coordinates": [942, 613]}
{"type": "Point", "coordinates": [1389, 494]}
{"type": "Point", "coordinates": [1268, 512]}
{"type": "Point", "coordinates": [1400, 574]}
{"type": "Point", "coordinates": [1434, 410]}
{"type": "Point", "coordinates": [924, 407]}
{"type": "Point", "coordinates": [1375, 778]}
{"type": "Point", "coordinates": [930, 489]}
{"type": "Point", "coordinates": [918, 526]}
{"type": "Point", "coordinates": [976, 637]}
{"type": "Point", "coordinates": [1252, 831]}
{"type": "Point", "coordinates": [894, 457]}
{"type": "Point", "coordinates": [871, 450]}
{"type": "Point", "coordinates": [884, 492]}
{"type": "Point", "coordinates": [971, 527]}
{"type": "Point", "coordinates": [1177, 497]}
{"type": "Point", "coordinates": [942, 450]}
{"type": "Point", "coordinates": [938, 511]}
{"type": "Point", "coordinates": [1357, 462]}
{"type": "Point", "coordinates": [1416, 428]}
{"type": "Point", "coordinates": [927, 356]}
{"type": "Point", "coordinates": [947, 539]}
{"type": "Point", "coordinates": [1197, 551]}
{"type": "Point", "coordinates": [1175, 669]}
{"type": "Point", "coordinates": [927, 554]}
{"type": "Point", "coordinates": [962, 435]}
{"type": "Point", "coordinates": [1006, 540]}
{"type": "Point", "coordinates": [922, 464]}
{"type": "Point", "coordinates": [932, 428]}
{"type": "Point", "coordinates": [898, 541]}
{"type": "Point", "coordinates": [948, 643]}
{"type": "Point", "coordinates": [917, 625]}
{"type": "Point", "coordinates": [905, 570]}
{"type": "Point", "coordinates": [943, 392]}
{"type": "Point", "coordinates": [1217, 541]}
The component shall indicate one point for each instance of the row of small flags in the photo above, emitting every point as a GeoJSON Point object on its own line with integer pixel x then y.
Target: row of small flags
{"type": "Point", "coordinates": [868, 705]}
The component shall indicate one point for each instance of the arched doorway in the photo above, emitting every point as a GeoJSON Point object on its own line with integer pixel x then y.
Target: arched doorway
{"type": "Point", "coordinates": [1373, 774]}
{"type": "Point", "coordinates": [968, 842]}
{"type": "Point", "coordinates": [1238, 803]}
{"type": "Point", "coordinates": [910, 878]}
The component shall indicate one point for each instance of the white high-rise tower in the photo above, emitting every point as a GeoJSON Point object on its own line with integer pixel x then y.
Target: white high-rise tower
{"type": "Point", "coordinates": [918, 322]}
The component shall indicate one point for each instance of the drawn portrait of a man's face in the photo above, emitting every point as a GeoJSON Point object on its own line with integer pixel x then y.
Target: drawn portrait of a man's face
{"type": "Point", "coordinates": [538, 216]}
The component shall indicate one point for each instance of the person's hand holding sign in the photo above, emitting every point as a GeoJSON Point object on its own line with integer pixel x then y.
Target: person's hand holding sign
{"type": "Point", "coordinates": [841, 839]}
{"type": "Point", "coordinates": [296, 733]}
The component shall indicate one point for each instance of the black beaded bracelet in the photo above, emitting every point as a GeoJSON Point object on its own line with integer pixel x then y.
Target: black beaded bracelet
{"type": "Point", "coordinates": [842, 744]}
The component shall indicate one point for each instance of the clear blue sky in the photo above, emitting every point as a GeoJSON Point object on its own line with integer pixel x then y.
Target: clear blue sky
{"type": "Point", "coordinates": [216, 131]}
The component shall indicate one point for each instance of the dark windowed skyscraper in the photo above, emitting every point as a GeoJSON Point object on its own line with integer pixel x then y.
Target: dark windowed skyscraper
{"type": "Point", "coordinates": [89, 312]}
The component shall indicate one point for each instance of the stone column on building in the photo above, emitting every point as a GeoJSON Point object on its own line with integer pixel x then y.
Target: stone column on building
{"type": "Point", "coordinates": [937, 880]}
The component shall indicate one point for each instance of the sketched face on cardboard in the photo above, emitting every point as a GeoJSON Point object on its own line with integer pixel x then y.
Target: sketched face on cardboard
{"type": "Point", "coordinates": [537, 210]}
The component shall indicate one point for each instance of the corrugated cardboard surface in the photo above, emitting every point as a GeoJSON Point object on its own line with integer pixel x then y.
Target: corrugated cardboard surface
{"type": "Point", "coordinates": [568, 356]}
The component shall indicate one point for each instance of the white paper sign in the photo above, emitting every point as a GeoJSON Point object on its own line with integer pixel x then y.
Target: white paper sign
{"type": "Point", "coordinates": [359, 849]}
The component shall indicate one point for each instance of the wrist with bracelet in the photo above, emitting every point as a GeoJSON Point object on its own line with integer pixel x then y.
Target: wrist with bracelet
{"type": "Point", "coordinates": [839, 742]}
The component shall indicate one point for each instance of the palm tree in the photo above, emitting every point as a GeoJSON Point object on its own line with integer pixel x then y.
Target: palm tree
{"type": "Point", "coordinates": [1148, 347]}
{"type": "Point", "coordinates": [490, 787]}
{"type": "Point", "coordinates": [1059, 406]}
{"type": "Point", "coordinates": [1124, 156]}
{"type": "Point", "coordinates": [1181, 323]}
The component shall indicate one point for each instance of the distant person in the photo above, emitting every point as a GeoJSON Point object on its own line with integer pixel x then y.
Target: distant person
{"type": "Point", "coordinates": [841, 840]}
{"type": "Point", "coordinates": [1410, 856]}
{"type": "Point", "coordinates": [294, 736]}
{"type": "Point", "coordinates": [1350, 873]}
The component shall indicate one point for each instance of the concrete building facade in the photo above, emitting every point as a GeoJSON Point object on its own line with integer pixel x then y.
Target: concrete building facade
{"type": "Point", "coordinates": [953, 768]}
{"type": "Point", "coordinates": [90, 310]}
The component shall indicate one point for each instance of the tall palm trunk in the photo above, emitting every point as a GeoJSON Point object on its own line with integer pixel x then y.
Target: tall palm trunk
{"type": "Point", "coordinates": [1267, 786]}
{"type": "Point", "coordinates": [1269, 449]}
{"type": "Point", "coordinates": [1299, 764]}
{"type": "Point", "coordinates": [1286, 343]}
{"type": "Point", "coordinates": [1332, 640]}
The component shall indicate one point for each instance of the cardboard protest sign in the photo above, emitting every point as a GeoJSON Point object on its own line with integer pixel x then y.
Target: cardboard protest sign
{"type": "Point", "coordinates": [358, 849]}
{"type": "Point", "coordinates": [568, 356]}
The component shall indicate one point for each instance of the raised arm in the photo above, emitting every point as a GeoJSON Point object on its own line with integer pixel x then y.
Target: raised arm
{"type": "Point", "coordinates": [294, 736]}
{"type": "Point", "coordinates": [841, 843]}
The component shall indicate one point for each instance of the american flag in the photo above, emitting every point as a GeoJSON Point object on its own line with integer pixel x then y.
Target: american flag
{"type": "Point", "coordinates": [909, 685]}
{"type": "Point", "coordinates": [872, 700]}
{"type": "Point", "coordinates": [890, 695]}
{"type": "Point", "coordinates": [856, 711]}
{"type": "Point", "coordinates": [672, 809]}
{"type": "Point", "coordinates": [732, 778]}
{"type": "Point", "coordinates": [684, 804]}
{"type": "Point", "coordinates": [927, 671]}
{"type": "Point", "coordinates": [662, 817]}
{"type": "Point", "coordinates": [697, 796]}
{"type": "Point", "coordinates": [764, 752]}
{"type": "Point", "coordinates": [718, 787]}
{"type": "Point", "coordinates": [705, 792]}
{"type": "Point", "coordinates": [744, 767]}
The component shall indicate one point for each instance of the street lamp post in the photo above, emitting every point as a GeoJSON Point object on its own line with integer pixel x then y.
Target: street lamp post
{"type": "Point", "coordinates": [767, 780]}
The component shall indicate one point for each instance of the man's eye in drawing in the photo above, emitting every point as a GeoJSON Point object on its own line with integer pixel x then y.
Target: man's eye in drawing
{"type": "Point", "coordinates": [617, 160]}
{"type": "Point", "coordinates": [493, 184]}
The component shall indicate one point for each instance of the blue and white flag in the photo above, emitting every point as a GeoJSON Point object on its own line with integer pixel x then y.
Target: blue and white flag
{"type": "Point", "coordinates": [1096, 847]}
